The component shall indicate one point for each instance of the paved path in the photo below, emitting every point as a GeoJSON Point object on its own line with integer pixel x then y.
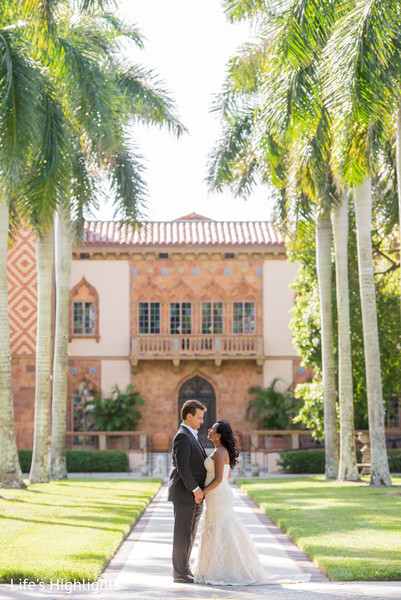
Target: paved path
{"type": "Point", "coordinates": [141, 569]}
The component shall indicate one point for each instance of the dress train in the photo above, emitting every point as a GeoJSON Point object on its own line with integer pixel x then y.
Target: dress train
{"type": "Point", "coordinates": [227, 554]}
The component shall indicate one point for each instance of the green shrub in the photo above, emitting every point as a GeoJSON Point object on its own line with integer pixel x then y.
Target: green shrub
{"type": "Point", "coordinates": [120, 412]}
{"type": "Point", "coordinates": [85, 461]}
{"type": "Point", "coordinates": [25, 459]}
{"type": "Point", "coordinates": [302, 461]}
{"type": "Point", "coordinates": [394, 460]}
{"type": "Point", "coordinates": [306, 461]}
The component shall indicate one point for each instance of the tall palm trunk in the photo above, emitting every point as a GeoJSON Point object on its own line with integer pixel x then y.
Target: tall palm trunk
{"type": "Point", "coordinates": [348, 469]}
{"type": "Point", "coordinates": [44, 260]}
{"type": "Point", "coordinates": [380, 474]}
{"type": "Point", "coordinates": [63, 258]}
{"type": "Point", "coordinates": [324, 275]}
{"type": "Point", "coordinates": [398, 161]}
{"type": "Point", "coordinates": [10, 470]}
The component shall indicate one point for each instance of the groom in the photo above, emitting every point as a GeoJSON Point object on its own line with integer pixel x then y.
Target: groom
{"type": "Point", "coordinates": [187, 478]}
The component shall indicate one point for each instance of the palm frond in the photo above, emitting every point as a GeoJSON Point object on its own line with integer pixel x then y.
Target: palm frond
{"type": "Point", "coordinates": [231, 156]}
{"type": "Point", "coordinates": [18, 117]}
{"type": "Point", "coordinates": [47, 182]}
{"type": "Point", "coordinates": [239, 10]}
{"type": "Point", "coordinates": [145, 99]}
{"type": "Point", "coordinates": [120, 28]}
{"type": "Point", "coordinates": [127, 184]}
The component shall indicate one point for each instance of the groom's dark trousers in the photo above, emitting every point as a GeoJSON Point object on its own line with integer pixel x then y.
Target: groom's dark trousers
{"type": "Point", "coordinates": [187, 473]}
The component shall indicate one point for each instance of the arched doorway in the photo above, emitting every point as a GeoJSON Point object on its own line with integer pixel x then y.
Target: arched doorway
{"type": "Point", "coordinates": [199, 389]}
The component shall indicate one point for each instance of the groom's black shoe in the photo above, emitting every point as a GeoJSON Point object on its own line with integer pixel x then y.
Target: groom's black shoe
{"type": "Point", "coordinates": [184, 579]}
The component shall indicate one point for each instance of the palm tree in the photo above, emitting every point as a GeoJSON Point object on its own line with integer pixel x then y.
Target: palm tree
{"type": "Point", "coordinates": [129, 93]}
{"type": "Point", "coordinates": [287, 120]}
{"type": "Point", "coordinates": [24, 107]}
{"type": "Point", "coordinates": [10, 470]}
{"type": "Point", "coordinates": [63, 251]}
{"type": "Point", "coordinates": [40, 120]}
{"type": "Point", "coordinates": [270, 408]}
{"type": "Point", "coordinates": [347, 469]}
{"type": "Point", "coordinates": [360, 61]}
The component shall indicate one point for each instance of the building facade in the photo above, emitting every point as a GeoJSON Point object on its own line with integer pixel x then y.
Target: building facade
{"type": "Point", "coordinates": [191, 308]}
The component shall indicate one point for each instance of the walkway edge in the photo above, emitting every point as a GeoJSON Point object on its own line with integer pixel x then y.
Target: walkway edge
{"type": "Point", "coordinates": [115, 565]}
{"type": "Point", "coordinates": [300, 557]}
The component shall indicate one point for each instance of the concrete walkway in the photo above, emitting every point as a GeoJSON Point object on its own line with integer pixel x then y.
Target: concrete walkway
{"type": "Point", "coordinates": [141, 569]}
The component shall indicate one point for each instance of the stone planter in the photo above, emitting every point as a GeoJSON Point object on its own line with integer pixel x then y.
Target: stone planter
{"type": "Point", "coordinates": [160, 441]}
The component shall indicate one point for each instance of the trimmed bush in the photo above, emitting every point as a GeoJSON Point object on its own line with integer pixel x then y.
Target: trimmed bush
{"type": "Point", "coordinates": [85, 461]}
{"type": "Point", "coordinates": [305, 461]}
{"type": "Point", "coordinates": [25, 459]}
{"type": "Point", "coordinates": [312, 461]}
{"type": "Point", "coordinates": [302, 461]}
{"type": "Point", "coordinates": [394, 460]}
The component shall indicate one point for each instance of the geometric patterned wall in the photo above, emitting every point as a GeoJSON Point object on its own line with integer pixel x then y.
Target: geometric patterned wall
{"type": "Point", "coordinates": [22, 293]}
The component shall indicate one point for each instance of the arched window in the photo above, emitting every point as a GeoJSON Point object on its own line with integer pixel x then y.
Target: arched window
{"type": "Point", "coordinates": [199, 389]}
{"type": "Point", "coordinates": [84, 311]}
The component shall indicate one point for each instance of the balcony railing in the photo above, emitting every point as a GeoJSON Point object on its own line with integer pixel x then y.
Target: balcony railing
{"type": "Point", "coordinates": [197, 346]}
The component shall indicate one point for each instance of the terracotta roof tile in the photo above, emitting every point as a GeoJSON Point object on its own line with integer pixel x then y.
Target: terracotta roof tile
{"type": "Point", "coordinates": [190, 230]}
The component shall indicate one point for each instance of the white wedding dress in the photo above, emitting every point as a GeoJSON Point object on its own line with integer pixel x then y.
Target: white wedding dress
{"type": "Point", "coordinates": [226, 553]}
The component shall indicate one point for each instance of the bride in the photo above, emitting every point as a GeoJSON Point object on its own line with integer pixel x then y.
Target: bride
{"type": "Point", "coordinates": [226, 553]}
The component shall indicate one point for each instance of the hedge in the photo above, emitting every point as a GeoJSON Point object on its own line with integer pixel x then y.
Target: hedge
{"type": "Point", "coordinates": [85, 461]}
{"type": "Point", "coordinates": [312, 461]}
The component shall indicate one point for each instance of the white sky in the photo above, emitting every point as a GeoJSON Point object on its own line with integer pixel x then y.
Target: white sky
{"type": "Point", "coordinates": [188, 44]}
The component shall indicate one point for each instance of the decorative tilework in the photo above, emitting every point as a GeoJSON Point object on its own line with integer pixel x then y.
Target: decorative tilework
{"type": "Point", "coordinates": [22, 294]}
{"type": "Point", "coordinates": [227, 271]}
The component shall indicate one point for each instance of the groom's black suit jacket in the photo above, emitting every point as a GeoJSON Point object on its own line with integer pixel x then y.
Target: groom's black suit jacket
{"type": "Point", "coordinates": [187, 471]}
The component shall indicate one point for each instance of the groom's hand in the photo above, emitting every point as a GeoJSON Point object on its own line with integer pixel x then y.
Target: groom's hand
{"type": "Point", "coordinates": [198, 496]}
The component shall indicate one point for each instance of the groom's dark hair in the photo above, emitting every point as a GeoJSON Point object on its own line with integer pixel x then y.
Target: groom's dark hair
{"type": "Point", "coordinates": [190, 407]}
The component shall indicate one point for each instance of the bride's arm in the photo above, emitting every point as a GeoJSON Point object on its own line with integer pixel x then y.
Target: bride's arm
{"type": "Point", "coordinates": [219, 456]}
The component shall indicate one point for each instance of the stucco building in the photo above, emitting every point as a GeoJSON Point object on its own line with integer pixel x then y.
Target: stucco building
{"type": "Point", "coordinates": [180, 309]}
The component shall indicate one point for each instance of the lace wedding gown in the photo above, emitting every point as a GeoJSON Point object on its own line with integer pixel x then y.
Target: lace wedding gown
{"type": "Point", "coordinates": [226, 553]}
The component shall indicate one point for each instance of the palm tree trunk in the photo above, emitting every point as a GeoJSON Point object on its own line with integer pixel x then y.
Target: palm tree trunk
{"type": "Point", "coordinates": [10, 469]}
{"type": "Point", "coordinates": [44, 260]}
{"type": "Point", "coordinates": [324, 275]}
{"type": "Point", "coordinates": [398, 162]}
{"type": "Point", "coordinates": [380, 474]}
{"type": "Point", "coordinates": [348, 469]}
{"type": "Point", "coordinates": [63, 258]}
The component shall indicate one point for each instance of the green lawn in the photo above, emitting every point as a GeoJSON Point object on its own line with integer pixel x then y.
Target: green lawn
{"type": "Point", "coordinates": [67, 530]}
{"type": "Point", "coordinates": [352, 531]}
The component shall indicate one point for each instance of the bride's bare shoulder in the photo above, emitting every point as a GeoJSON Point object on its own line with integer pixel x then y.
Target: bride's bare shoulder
{"type": "Point", "coordinates": [221, 454]}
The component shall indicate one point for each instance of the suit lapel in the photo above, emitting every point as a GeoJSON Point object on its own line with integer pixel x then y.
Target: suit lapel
{"type": "Point", "coordinates": [201, 446]}
{"type": "Point", "coordinates": [196, 441]}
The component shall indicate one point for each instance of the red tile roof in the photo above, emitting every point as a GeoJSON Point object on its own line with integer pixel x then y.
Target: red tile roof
{"type": "Point", "coordinates": [192, 230]}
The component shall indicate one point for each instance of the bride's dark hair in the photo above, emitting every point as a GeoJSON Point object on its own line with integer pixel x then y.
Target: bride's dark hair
{"type": "Point", "coordinates": [227, 439]}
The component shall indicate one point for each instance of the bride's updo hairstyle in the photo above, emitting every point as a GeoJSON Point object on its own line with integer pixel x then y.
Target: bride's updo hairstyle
{"type": "Point", "coordinates": [227, 439]}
